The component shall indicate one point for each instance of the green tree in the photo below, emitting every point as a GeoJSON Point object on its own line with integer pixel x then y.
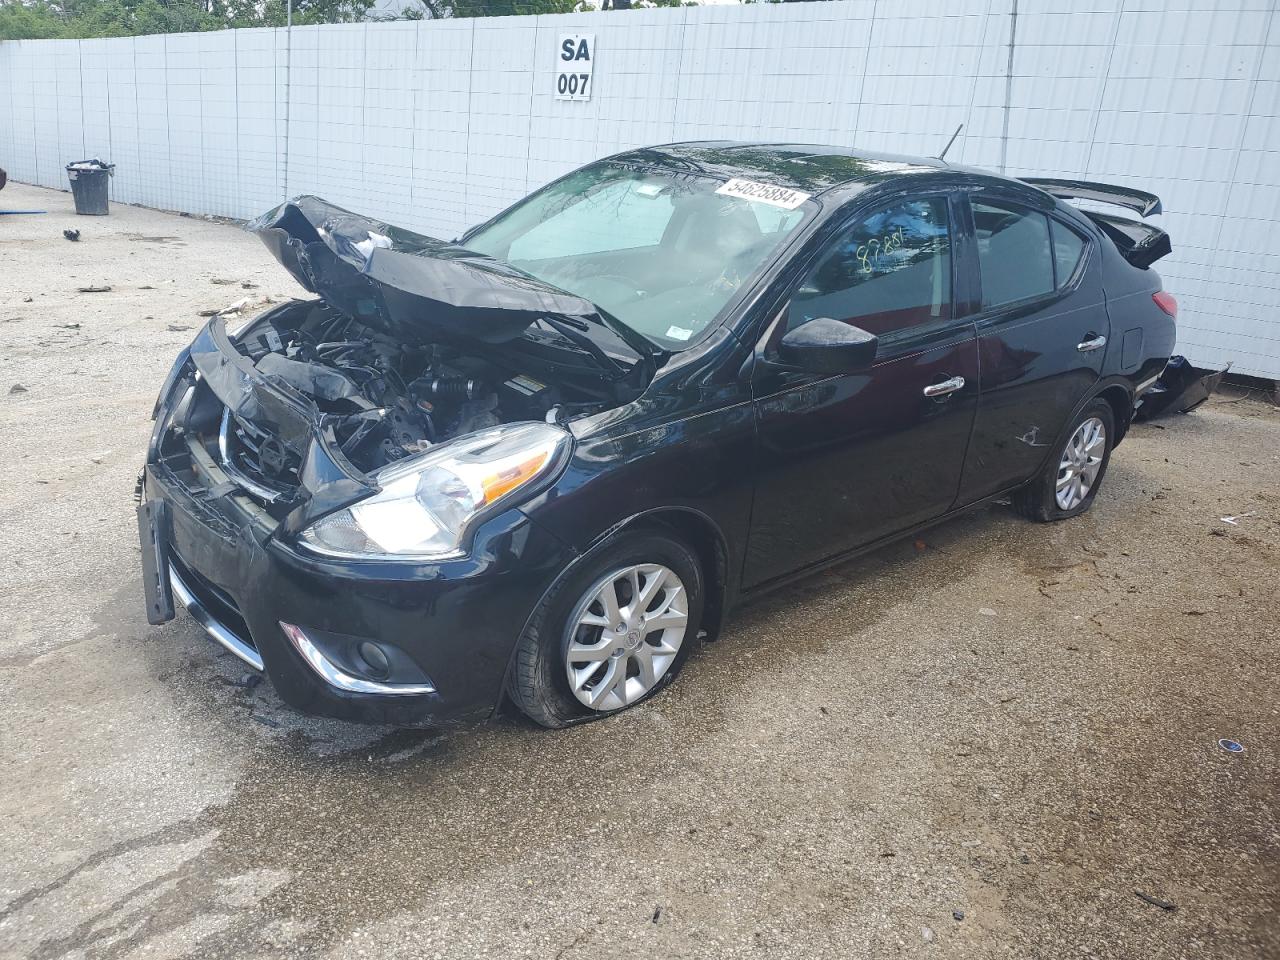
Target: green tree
{"type": "Point", "coordinates": [438, 9]}
{"type": "Point", "coordinates": [30, 21]}
{"type": "Point", "coordinates": [44, 19]}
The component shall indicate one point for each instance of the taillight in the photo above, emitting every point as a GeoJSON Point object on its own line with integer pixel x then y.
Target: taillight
{"type": "Point", "coordinates": [1164, 300]}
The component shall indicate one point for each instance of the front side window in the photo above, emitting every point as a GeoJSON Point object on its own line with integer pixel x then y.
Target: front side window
{"type": "Point", "coordinates": [660, 250]}
{"type": "Point", "coordinates": [1013, 253]}
{"type": "Point", "coordinates": [890, 271]}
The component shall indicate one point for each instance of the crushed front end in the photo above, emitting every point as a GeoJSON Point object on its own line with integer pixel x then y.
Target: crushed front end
{"type": "Point", "coordinates": [335, 490]}
{"type": "Point", "coordinates": [239, 465]}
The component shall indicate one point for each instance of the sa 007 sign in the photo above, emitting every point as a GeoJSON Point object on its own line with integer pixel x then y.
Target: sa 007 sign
{"type": "Point", "coordinates": [574, 57]}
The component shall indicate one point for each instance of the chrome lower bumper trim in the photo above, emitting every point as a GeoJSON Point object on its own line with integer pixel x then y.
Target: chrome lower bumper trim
{"type": "Point", "coordinates": [213, 627]}
{"type": "Point", "coordinates": [1145, 386]}
{"type": "Point", "coordinates": [336, 677]}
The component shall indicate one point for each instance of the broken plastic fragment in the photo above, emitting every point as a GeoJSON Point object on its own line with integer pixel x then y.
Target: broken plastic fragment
{"type": "Point", "coordinates": [1180, 389]}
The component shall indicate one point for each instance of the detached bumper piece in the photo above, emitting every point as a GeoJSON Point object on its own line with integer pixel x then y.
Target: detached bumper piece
{"type": "Point", "coordinates": [1180, 389]}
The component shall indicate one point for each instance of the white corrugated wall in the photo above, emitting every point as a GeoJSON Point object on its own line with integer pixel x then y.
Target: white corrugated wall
{"type": "Point", "coordinates": [437, 125]}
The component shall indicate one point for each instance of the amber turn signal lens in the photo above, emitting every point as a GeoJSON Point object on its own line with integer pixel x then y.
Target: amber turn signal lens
{"type": "Point", "coordinates": [505, 481]}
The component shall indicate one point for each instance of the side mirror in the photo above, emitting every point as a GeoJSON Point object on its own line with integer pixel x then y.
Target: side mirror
{"type": "Point", "coordinates": [823, 345]}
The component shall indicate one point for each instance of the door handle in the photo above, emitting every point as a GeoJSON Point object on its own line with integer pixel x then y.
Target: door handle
{"type": "Point", "coordinates": [1091, 343]}
{"type": "Point", "coordinates": [945, 387]}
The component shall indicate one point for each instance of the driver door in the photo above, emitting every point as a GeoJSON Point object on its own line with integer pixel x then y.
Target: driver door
{"type": "Point", "coordinates": [845, 460]}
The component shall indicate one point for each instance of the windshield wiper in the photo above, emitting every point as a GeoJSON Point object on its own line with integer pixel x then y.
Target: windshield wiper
{"type": "Point", "coordinates": [633, 338]}
{"type": "Point", "coordinates": [574, 333]}
{"type": "Point", "coordinates": [637, 341]}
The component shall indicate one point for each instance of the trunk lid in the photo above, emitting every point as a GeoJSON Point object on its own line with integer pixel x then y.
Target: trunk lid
{"type": "Point", "coordinates": [1142, 244]}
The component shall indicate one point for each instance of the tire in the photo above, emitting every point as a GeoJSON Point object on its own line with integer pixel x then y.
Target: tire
{"type": "Point", "coordinates": [1039, 499]}
{"type": "Point", "coordinates": [616, 678]}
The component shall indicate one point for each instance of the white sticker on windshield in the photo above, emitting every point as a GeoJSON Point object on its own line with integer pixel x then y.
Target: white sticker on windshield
{"type": "Point", "coordinates": [678, 333]}
{"type": "Point", "coordinates": [763, 193]}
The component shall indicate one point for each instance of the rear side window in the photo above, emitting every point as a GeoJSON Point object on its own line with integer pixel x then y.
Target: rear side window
{"type": "Point", "coordinates": [890, 271]}
{"type": "Point", "coordinates": [1068, 248]}
{"type": "Point", "coordinates": [1013, 252]}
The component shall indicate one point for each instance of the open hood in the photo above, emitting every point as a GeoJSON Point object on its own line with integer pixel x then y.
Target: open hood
{"type": "Point", "coordinates": [412, 287]}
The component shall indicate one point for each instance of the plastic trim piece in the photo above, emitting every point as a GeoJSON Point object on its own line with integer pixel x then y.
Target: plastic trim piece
{"type": "Point", "coordinates": [213, 627]}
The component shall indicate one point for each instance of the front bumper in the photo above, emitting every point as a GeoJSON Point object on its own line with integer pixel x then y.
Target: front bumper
{"type": "Point", "coordinates": [457, 621]}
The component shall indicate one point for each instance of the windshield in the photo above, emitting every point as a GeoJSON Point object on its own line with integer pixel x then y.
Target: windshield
{"type": "Point", "coordinates": [662, 252]}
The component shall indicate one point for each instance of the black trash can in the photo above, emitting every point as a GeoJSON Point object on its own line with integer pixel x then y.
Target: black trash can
{"type": "Point", "coordinates": [89, 185]}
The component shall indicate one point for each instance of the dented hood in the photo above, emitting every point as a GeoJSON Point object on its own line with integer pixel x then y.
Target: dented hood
{"type": "Point", "coordinates": [407, 285]}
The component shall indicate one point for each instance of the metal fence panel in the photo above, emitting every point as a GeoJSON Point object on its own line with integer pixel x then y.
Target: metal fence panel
{"type": "Point", "coordinates": [439, 124]}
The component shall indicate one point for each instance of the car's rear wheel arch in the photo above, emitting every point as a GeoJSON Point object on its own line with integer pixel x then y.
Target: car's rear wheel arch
{"type": "Point", "coordinates": [1120, 399]}
{"type": "Point", "coordinates": [1037, 500]}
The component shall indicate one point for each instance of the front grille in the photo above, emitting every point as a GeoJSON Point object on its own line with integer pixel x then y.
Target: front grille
{"type": "Point", "coordinates": [258, 462]}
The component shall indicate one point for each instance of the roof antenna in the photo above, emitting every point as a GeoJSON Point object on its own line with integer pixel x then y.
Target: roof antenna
{"type": "Point", "coordinates": [950, 142]}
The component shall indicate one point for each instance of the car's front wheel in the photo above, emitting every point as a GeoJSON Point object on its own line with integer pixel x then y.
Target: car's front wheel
{"type": "Point", "coordinates": [1070, 479]}
{"type": "Point", "coordinates": [612, 633]}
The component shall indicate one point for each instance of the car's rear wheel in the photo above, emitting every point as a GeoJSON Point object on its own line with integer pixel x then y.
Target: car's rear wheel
{"type": "Point", "coordinates": [612, 633]}
{"type": "Point", "coordinates": [1070, 480]}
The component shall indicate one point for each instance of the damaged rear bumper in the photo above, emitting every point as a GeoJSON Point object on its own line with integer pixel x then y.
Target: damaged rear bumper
{"type": "Point", "coordinates": [1180, 388]}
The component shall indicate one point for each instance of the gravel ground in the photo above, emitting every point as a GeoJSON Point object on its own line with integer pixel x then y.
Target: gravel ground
{"type": "Point", "coordinates": [981, 744]}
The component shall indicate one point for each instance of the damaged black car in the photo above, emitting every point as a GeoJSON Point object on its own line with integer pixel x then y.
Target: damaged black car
{"type": "Point", "coordinates": [543, 462]}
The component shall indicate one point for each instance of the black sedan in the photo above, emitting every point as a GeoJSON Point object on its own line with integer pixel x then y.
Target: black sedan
{"type": "Point", "coordinates": [544, 461]}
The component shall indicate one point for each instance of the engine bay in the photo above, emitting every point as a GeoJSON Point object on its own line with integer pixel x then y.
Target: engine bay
{"type": "Point", "coordinates": [385, 399]}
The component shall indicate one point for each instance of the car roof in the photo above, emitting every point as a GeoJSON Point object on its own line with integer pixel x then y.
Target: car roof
{"type": "Point", "coordinates": [811, 168]}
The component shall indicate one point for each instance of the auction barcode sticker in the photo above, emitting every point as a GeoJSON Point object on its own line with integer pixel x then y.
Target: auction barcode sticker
{"type": "Point", "coordinates": [763, 193]}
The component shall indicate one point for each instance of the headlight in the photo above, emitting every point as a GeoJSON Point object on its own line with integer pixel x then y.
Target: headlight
{"type": "Point", "coordinates": [425, 505]}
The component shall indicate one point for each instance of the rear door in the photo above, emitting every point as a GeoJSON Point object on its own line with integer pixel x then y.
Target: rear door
{"type": "Point", "coordinates": [1042, 334]}
{"type": "Point", "coordinates": [847, 459]}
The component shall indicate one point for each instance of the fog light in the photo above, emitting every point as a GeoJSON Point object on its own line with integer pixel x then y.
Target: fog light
{"type": "Point", "coordinates": [326, 654]}
{"type": "Point", "coordinates": [375, 659]}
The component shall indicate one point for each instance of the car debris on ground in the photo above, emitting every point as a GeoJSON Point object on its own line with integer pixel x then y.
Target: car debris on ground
{"type": "Point", "coordinates": [1235, 520]}
{"type": "Point", "coordinates": [1156, 901]}
{"type": "Point", "coordinates": [1180, 389]}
